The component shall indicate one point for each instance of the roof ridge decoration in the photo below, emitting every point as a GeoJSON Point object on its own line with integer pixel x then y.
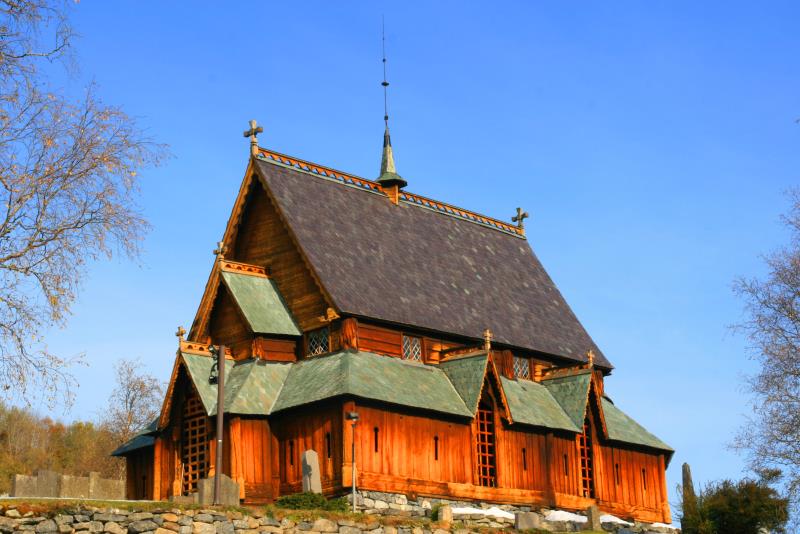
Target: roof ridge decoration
{"type": "Point", "coordinates": [242, 268]}
{"type": "Point", "coordinates": [412, 199]}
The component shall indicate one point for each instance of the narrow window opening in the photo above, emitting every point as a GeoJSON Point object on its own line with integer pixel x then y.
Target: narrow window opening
{"type": "Point", "coordinates": [375, 432]}
{"type": "Point", "coordinates": [328, 444]}
{"type": "Point", "coordinates": [291, 452]}
{"type": "Point", "coordinates": [566, 466]}
{"type": "Point", "coordinates": [435, 447]}
{"type": "Point", "coordinates": [524, 459]}
{"type": "Point", "coordinates": [617, 477]}
{"type": "Point", "coordinates": [644, 479]}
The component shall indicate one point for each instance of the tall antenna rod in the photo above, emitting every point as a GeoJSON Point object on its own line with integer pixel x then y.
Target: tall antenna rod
{"type": "Point", "coordinates": [385, 84]}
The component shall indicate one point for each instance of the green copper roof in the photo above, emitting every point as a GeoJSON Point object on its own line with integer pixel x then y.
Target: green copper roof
{"type": "Point", "coordinates": [622, 428]}
{"type": "Point", "coordinates": [143, 438]}
{"type": "Point", "coordinates": [467, 374]}
{"type": "Point", "coordinates": [251, 386]}
{"type": "Point", "coordinates": [370, 376]}
{"type": "Point", "coordinates": [572, 393]}
{"type": "Point", "coordinates": [532, 404]}
{"type": "Point", "coordinates": [261, 304]}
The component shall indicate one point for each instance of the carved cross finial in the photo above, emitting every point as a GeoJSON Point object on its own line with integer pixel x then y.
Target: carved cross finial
{"type": "Point", "coordinates": [590, 357]}
{"type": "Point", "coordinates": [487, 339]}
{"type": "Point", "coordinates": [220, 251]}
{"type": "Point", "coordinates": [519, 218]}
{"type": "Point", "coordinates": [180, 333]}
{"type": "Point", "coordinates": [252, 133]}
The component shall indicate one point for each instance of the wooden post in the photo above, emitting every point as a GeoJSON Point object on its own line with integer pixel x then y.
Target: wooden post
{"type": "Point", "coordinates": [220, 419]}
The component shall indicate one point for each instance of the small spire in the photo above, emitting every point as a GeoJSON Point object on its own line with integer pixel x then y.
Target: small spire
{"type": "Point", "coordinates": [590, 358]}
{"type": "Point", "coordinates": [487, 339]}
{"type": "Point", "coordinates": [388, 176]}
{"type": "Point", "coordinates": [180, 333]}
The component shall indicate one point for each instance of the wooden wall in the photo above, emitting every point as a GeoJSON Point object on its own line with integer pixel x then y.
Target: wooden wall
{"type": "Point", "coordinates": [139, 475]}
{"type": "Point", "coordinates": [250, 451]}
{"type": "Point", "coordinates": [227, 327]}
{"type": "Point", "coordinates": [516, 472]}
{"type": "Point", "coordinates": [406, 446]}
{"type": "Point", "coordinates": [262, 239]}
{"type": "Point", "coordinates": [314, 427]}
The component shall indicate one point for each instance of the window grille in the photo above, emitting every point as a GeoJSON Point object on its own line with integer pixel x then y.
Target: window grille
{"type": "Point", "coordinates": [318, 341]}
{"type": "Point", "coordinates": [587, 460]}
{"type": "Point", "coordinates": [487, 468]}
{"type": "Point", "coordinates": [522, 367]}
{"type": "Point", "coordinates": [194, 445]}
{"type": "Point", "coordinates": [412, 348]}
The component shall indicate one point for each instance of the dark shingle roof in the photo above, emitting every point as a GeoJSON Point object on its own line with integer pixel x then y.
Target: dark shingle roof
{"type": "Point", "coordinates": [412, 265]}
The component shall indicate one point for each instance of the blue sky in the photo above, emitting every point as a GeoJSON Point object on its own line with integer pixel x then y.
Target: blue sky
{"type": "Point", "coordinates": [651, 142]}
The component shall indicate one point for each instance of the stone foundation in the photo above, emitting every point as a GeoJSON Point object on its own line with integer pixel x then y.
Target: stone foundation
{"type": "Point", "coordinates": [525, 518]}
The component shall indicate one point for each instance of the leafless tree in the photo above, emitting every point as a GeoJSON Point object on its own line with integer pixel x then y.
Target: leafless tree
{"type": "Point", "coordinates": [135, 401]}
{"type": "Point", "coordinates": [68, 190]}
{"type": "Point", "coordinates": [771, 437]}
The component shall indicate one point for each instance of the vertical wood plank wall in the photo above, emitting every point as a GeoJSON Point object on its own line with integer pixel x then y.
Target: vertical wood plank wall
{"type": "Point", "coordinates": [406, 446]}
{"type": "Point", "coordinates": [305, 429]}
{"type": "Point", "coordinates": [250, 453]}
{"type": "Point", "coordinates": [227, 327]}
{"type": "Point", "coordinates": [262, 239]}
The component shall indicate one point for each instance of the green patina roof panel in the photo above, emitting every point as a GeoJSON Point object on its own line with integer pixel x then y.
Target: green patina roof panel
{"type": "Point", "coordinates": [251, 387]}
{"type": "Point", "coordinates": [199, 369]}
{"type": "Point", "coordinates": [622, 428]}
{"type": "Point", "coordinates": [142, 439]}
{"type": "Point", "coordinates": [532, 404]}
{"type": "Point", "coordinates": [572, 393]}
{"type": "Point", "coordinates": [261, 304]}
{"type": "Point", "coordinates": [467, 375]}
{"type": "Point", "coordinates": [370, 376]}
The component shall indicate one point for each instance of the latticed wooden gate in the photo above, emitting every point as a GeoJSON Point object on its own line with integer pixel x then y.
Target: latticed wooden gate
{"type": "Point", "coordinates": [194, 445]}
{"type": "Point", "coordinates": [485, 441]}
{"type": "Point", "coordinates": [587, 460]}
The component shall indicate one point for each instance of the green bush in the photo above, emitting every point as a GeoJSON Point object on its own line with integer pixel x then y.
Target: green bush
{"type": "Point", "coordinates": [311, 501]}
{"type": "Point", "coordinates": [743, 507]}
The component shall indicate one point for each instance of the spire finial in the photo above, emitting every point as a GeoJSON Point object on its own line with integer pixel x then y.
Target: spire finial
{"type": "Point", "coordinates": [590, 357]}
{"type": "Point", "coordinates": [180, 333]}
{"type": "Point", "coordinates": [388, 177]}
{"type": "Point", "coordinates": [220, 251]}
{"type": "Point", "coordinates": [252, 133]}
{"type": "Point", "coordinates": [487, 339]}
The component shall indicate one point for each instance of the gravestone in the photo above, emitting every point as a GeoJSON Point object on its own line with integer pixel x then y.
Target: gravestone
{"type": "Point", "coordinates": [311, 477]}
{"type": "Point", "coordinates": [228, 489]}
{"type": "Point", "coordinates": [527, 521]}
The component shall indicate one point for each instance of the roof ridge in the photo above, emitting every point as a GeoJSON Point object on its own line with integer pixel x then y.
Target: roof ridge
{"type": "Point", "coordinates": [349, 179]}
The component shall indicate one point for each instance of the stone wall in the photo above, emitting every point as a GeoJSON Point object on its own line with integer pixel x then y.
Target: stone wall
{"type": "Point", "coordinates": [54, 485]}
{"type": "Point", "coordinates": [83, 519]}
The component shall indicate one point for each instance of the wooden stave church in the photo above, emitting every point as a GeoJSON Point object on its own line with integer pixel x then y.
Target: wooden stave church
{"type": "Point", "coordinates": [472, 377]}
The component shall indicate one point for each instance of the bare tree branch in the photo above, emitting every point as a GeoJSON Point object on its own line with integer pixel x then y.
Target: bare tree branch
{"type": "Point", "coordinates": [68, 192]}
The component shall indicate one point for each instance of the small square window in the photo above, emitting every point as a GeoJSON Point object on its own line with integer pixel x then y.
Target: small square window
{"type": "Point", "coordinates": [522, 367]}
{"type": "Point", "coordinates": [318, 341]}
{"type": "Point", "coordinates": [412, 348]}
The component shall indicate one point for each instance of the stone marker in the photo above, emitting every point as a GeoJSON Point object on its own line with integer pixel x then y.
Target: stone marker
{"type": "Point", "coordinates": [228, 488]}
{"type": "Point", "coordinates": [311, 478]}
{"type": "Point", "coordinates": [593, 519]}
{"type": "Point", "coordinates": [527, 521]}
{"type": "Point", "coordinates": [445, 514]}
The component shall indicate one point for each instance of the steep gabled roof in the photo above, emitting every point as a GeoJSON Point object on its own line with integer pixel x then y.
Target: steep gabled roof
{"type": "Point", "coordinates": [572, 393]}
{"type": "Point", "coordinates": [532, 404]}
{"type": "Point", "coordinates": [421, 263]}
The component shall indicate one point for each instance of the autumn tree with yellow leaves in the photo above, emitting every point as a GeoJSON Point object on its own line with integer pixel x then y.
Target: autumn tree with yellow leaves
{"type": "Point", "coordinates": [68, 186]}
